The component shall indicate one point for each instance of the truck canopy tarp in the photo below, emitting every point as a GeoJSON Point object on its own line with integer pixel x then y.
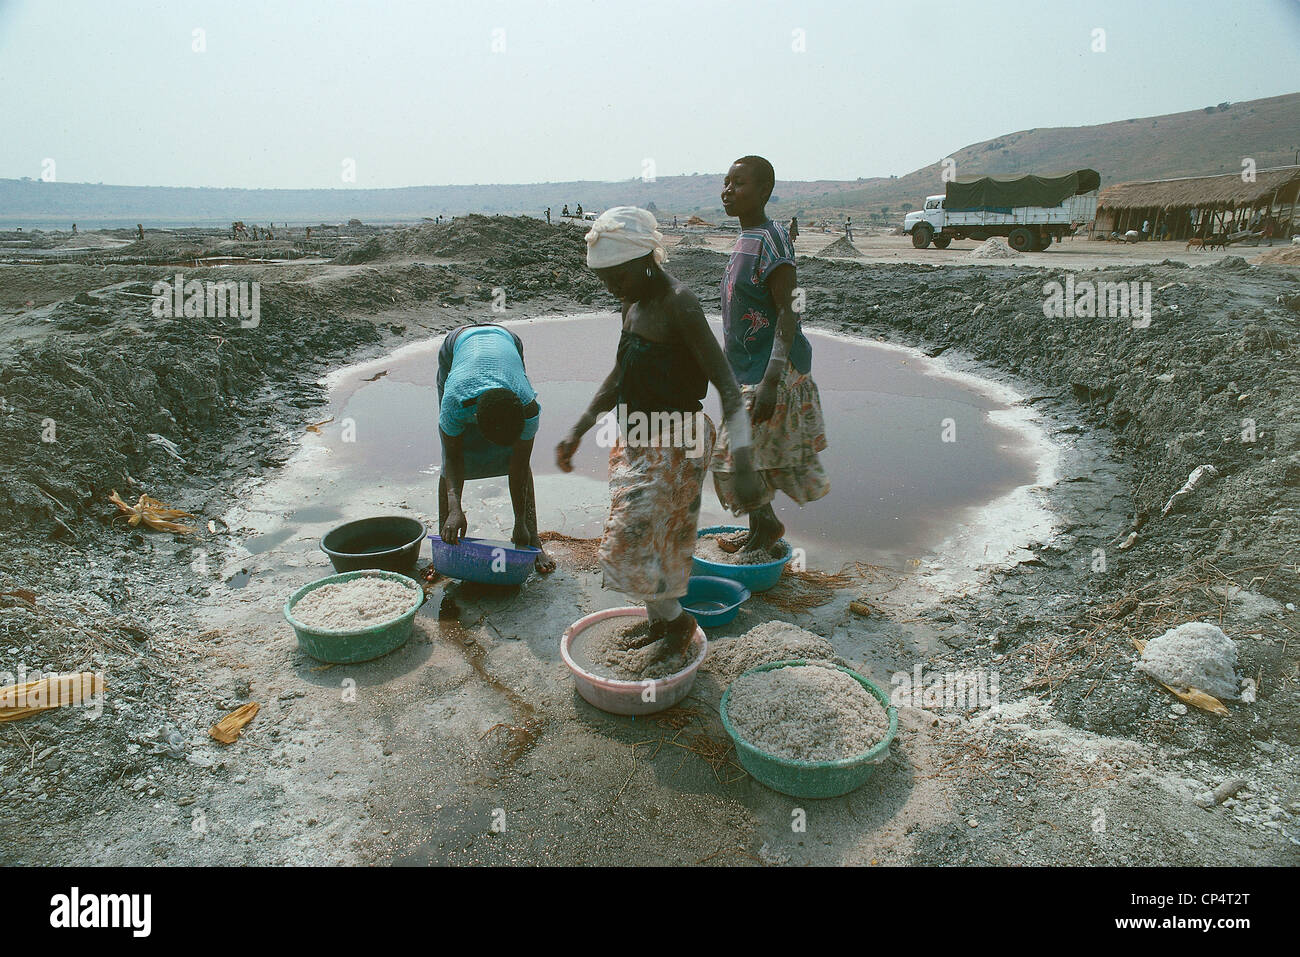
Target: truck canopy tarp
{"type": "Point", "coordinates": [1048, 189]}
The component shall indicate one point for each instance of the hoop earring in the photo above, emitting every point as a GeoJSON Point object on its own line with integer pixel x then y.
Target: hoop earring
{"type": "Point", "coordinates": [649, 273]}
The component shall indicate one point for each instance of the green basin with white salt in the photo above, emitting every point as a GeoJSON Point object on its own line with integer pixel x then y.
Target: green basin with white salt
{"type": "Point", "coordinates": [350, 645]}
{"type": "Point", "coordinates": [811, 779]}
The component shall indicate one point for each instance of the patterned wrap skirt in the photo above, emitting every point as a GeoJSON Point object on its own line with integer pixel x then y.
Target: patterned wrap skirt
{"type": "Point", "coordinates": [654, 512]}
{"type": "Point", "coordinates": [785, 446]}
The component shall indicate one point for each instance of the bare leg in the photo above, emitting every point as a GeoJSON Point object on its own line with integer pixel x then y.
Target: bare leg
{"type": "Point", "coordinates": [442, 504]}
{"type": "Point", "coordinates": [663, 615]}
{"type": "Point", "coordinates": [677, 633]}
{"type": "Point", "coordinates": [765, 529]}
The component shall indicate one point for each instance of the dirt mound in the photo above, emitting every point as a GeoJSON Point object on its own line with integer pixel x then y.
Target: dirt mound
{"type": "Point", "coordinates": [1281, 256]}
{"type": "Point", "coordinates": [841, 249]}
{"type": "Point", "coordinates": [90, 241]}
{"type": "Point", "coordinates": [81, 406]}
{"type": "Point", "coordinates": [471, 237]}
{"type": "Point", "coordinates": [521, 255]}
{"type": "Point", "coordinates": [994, 248]}
{"type": "Point", "coordinates": [165, 248]}
{"type": "Point", "coordinates": [690, 239]}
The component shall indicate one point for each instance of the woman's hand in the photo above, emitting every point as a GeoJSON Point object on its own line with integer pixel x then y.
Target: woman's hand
{"type": "Point", "coordinates": [455, 527]}
{"type": "Point", "coordinates": [764, 402]}
{"type": "Point", "coordinates": [565, 450]}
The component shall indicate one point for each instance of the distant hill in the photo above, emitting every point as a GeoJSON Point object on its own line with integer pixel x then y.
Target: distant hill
{"type": "Point", "coordinates": [1209, 140]}
{"type": "Point", "coordinates": [1199, 142]}
{"type": "Point", "coordinates": [36, 203]}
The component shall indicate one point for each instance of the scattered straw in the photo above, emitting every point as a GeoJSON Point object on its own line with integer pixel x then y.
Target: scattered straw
{"type": "Point", "coordinates": [577, 553]}
{"type": "Point", "coordinates": [800, 590]}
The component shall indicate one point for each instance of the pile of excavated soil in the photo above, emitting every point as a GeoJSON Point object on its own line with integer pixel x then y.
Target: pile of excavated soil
{"type": "Point", "coordinates": [994, 248]}
{"type": "Point", "coordinates": [1281, 256]}
{"type": "Point", "coordinates": [707, 548]}
{"type": "Point", "coordinates": [519, 254]}
{"type": "Point", "coordinates": [764, 644]}
{"type": "Point", "coordinates": [605, 649]}
{"type": "Point", "coordinates": [691, 239]}
{"type": "Point", "coordinates": [807, 713]}
{"type": "Point", "coordinates": [842, 249]}
{"type": "Point", "coordinates": [355, 604]}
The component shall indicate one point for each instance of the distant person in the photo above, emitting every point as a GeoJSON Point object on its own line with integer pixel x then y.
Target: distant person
{"type": "Point", "coordinates": [1146, 228]}
{"type": "Point", "coordinates": [488, 417]}
{"type": "Point", "coordinates": [579, 212]}
{"type": "Point", "coordinates": [793, 229]}
{"type": "Point", "coordinates": [848, 228]}
{"type": "Point", "coordinates": [548, 215]}
{"type": "Point", "coordinates": [565, 210]}
{"type": "Point", "coordinates": [674, 222]}
{"type": "Point", "coordinates": [139, 232]}
{"type": "Point", "coordinates": [74, 229]}
{"type": "Point", "coordinates": [1268, 230]}
{"type": "Point", "coordinates": [309, 232]}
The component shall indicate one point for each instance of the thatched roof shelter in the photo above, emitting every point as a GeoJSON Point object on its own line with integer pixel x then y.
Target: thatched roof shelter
{"type": "Point", "coordinates": [1199, 205]}
{"type": "Point", "coordinates": [1205, 192]}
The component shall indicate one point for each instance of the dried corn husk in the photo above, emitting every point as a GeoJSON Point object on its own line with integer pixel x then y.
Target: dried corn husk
{"type": "Point", "coordinates": [16, 701]}
{"type": "Point", "coordinates": [228, 728]}
{"type": "Point", "coordinates": [155, 514]}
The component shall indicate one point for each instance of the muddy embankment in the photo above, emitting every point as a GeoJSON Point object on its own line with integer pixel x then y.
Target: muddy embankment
{"type": "Point", "coordinates": [1214, 379]}
{"type": "Point", "coordinates": [101, 395]}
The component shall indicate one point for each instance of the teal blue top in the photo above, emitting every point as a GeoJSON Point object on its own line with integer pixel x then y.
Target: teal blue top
{"type": "Point", "coordinates": [482, 358]}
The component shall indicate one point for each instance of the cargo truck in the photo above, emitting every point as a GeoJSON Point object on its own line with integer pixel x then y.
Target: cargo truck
{"type": "Point", "coordinates": [1029, 210]}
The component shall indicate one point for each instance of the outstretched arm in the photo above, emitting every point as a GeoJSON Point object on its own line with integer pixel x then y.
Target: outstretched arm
{"type": "Point", "coordinates": [521, 480]}
{"type": "Point", "coordinates": [453, 474]}
{"type": "Point", "coordinates": [604, 399]}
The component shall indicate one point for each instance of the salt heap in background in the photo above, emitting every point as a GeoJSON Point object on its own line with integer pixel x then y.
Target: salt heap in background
{"type": "Point", "coordinates": [841, 248]}
{"type": "Point", "coordinates": [1194, 655]}
{"type": "Point", "coordinates": [994, 248]}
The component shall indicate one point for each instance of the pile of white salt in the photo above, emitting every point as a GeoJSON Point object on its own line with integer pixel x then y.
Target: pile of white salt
{"type": "Point", "coordinates": [806, 713]}
{"type": "Point", "coordinates": [354, 604]}
{"type": "Point", "coordinates": [764, 644]}
{"type": "Point", "coordinates": [1194, 655]}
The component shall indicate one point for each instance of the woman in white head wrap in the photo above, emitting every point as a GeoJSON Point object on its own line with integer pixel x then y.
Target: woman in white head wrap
{"type": "Point", "coordinates": [659, 452]}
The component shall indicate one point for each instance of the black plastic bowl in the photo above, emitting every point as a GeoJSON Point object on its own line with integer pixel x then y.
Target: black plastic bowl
{"type": "Point", "coordinates": [390, 542]}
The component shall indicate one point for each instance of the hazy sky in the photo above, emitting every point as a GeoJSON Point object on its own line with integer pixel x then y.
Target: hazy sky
{"type": "Point", "coordinates": [414, 93]}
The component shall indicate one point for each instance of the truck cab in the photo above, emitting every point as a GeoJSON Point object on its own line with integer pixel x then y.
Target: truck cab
{"type": "Point", "coordinates": [932, 215]}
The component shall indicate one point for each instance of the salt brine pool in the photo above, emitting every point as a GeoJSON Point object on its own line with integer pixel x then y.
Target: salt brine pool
{"type": "Point", "coordinates": [925, 463]}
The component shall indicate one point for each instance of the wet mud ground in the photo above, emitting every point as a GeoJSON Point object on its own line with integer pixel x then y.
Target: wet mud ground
{"type": "Point", "coordinates": [469, 745]}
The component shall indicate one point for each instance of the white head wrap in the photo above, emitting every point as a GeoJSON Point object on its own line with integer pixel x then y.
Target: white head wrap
{"type": "Point", "coordinates": [622, 234]}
